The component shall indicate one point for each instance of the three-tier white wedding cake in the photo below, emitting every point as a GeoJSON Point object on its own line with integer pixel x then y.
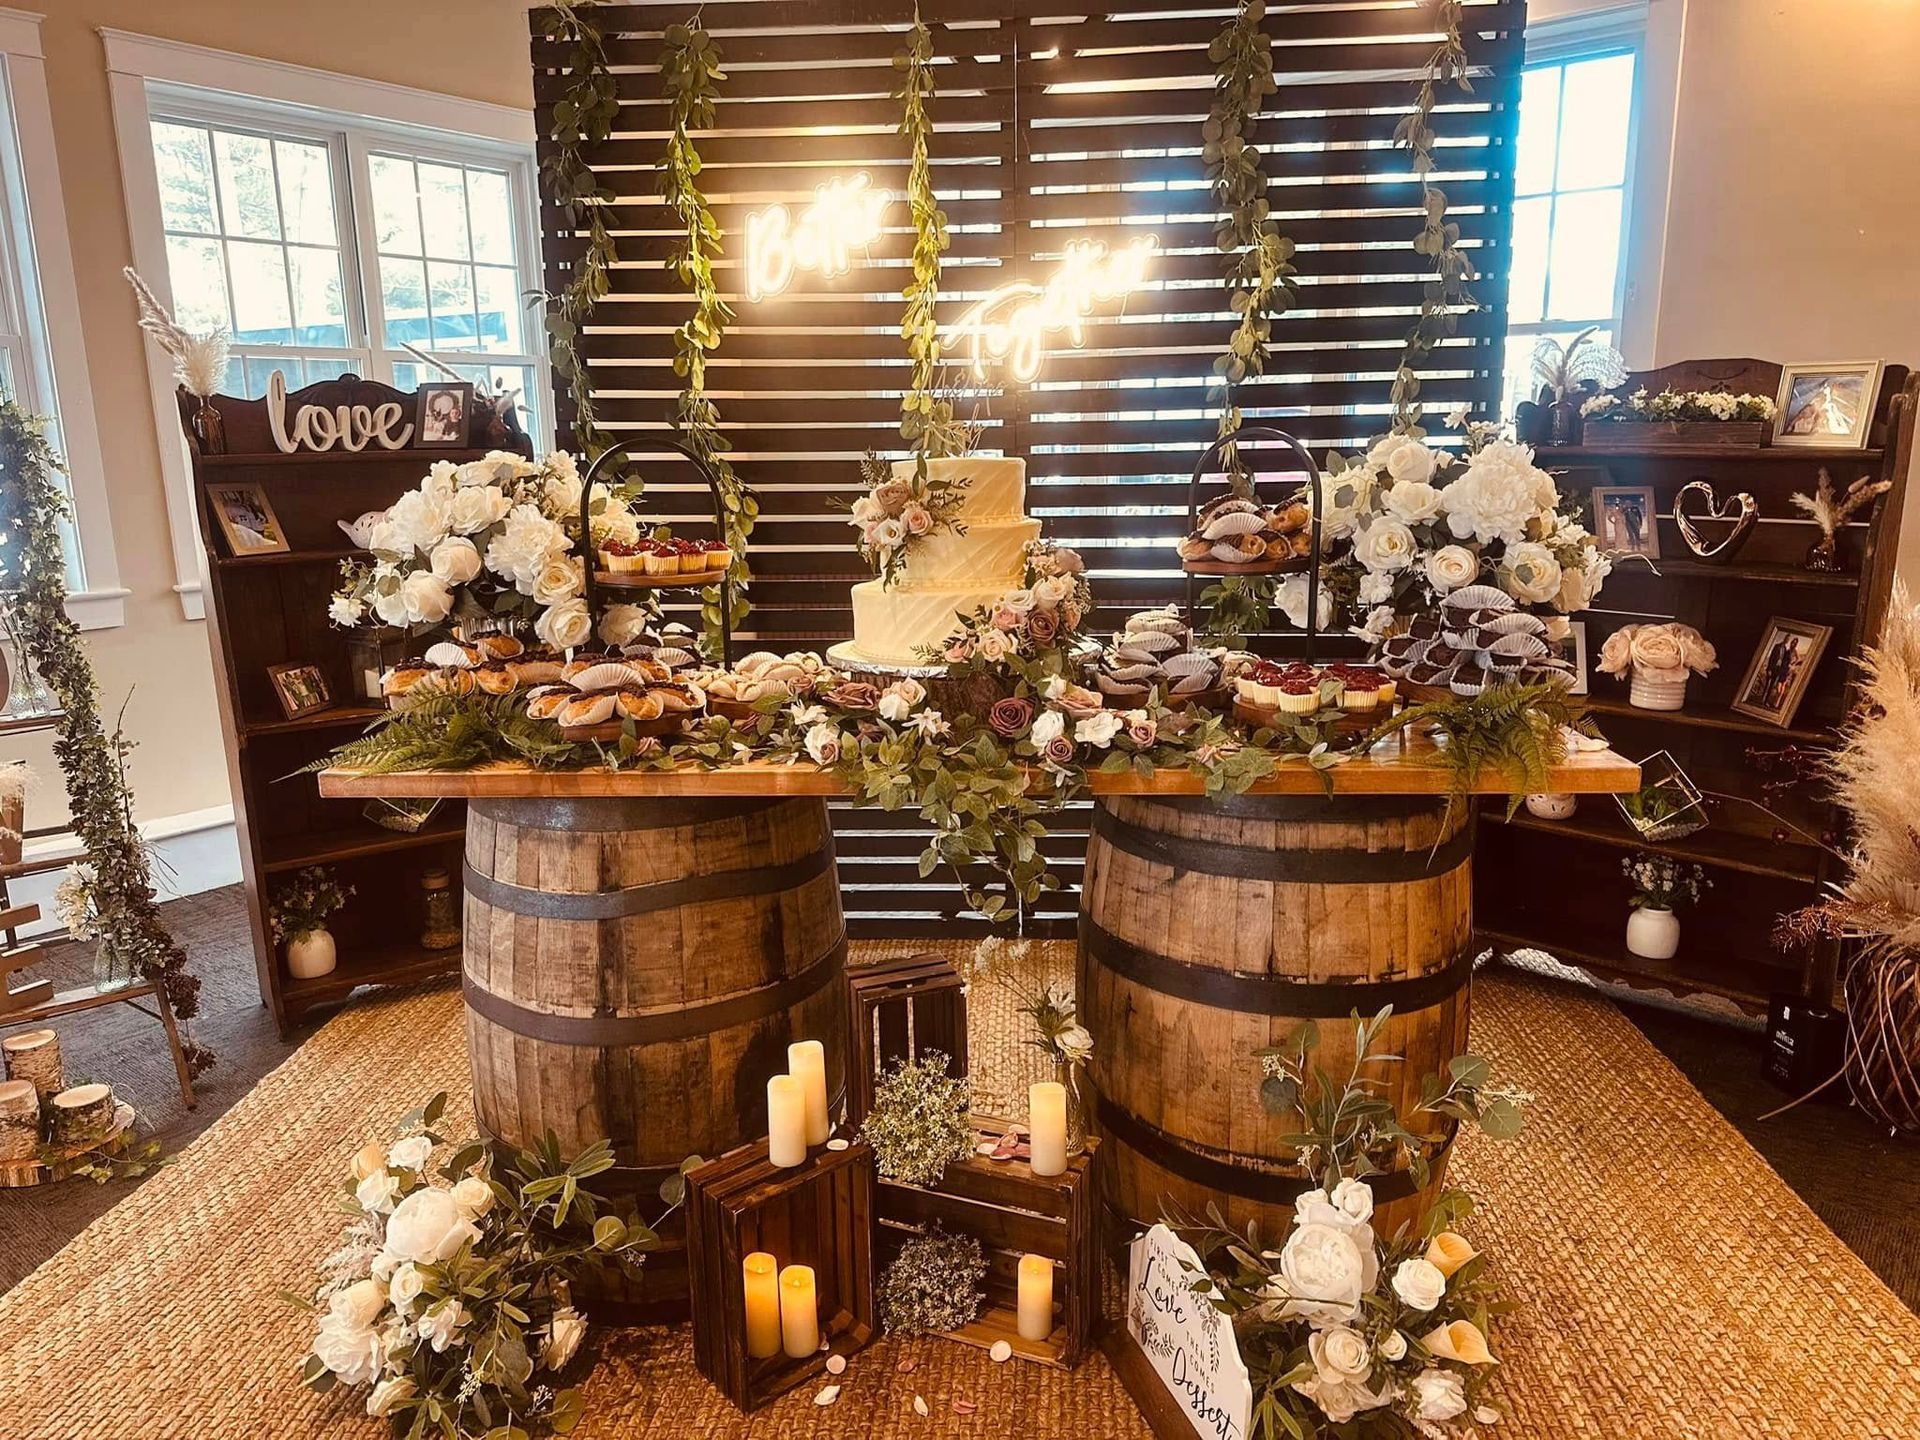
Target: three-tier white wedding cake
{"type": "Point", "coordinates": [949, 573]}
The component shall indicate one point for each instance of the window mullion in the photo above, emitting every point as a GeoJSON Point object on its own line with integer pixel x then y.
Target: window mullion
{"type": "Point", "coordinates": [360, 231]}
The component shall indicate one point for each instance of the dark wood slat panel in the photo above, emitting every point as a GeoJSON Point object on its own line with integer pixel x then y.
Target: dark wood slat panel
{"type": "Point", "coordinates": [1283, 25]}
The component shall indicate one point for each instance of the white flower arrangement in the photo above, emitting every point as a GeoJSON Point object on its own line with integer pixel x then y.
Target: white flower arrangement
{"type": "Point", "coordinates": [1677, 405]}
{"type": "Point", "coordinates": [1669, 649]}
{"type": "Point", "coordinates": [896, 514]}
{"type": "Point", "coordinates": [493, 538]}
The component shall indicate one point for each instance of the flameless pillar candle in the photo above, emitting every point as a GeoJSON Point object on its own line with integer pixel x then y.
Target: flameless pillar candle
{"type": "Point", "coordinates": [799, 1312]}
{"type": "Point", "coordinates": [1047, 1119]}
{"type": "Point", "coordinates": [1035, 1319]}
{"type": "Point", "coordinates": [760, 1273]}
{"type": "Point", "coordinates": [807, 1063]}
{"type": "Point", "coordinates": [786, 1122]}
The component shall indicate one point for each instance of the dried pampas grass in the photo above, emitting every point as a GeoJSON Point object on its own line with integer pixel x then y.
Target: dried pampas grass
{"type": "Point", "coordinates": [199, 360]}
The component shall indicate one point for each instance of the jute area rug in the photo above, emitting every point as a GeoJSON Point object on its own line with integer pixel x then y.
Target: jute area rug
{"type": "Point", "coordinates": [1671, 1285]}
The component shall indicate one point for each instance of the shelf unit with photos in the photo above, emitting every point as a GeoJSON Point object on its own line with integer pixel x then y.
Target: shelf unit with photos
{"type": "Point", "coordinates": [1555, 885]}
{"type": "Point", "coordinates": [271, 609]}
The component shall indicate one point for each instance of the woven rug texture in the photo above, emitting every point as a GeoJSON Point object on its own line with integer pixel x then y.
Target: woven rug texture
{"type": "Point", "coordinates": [1671, 1285]}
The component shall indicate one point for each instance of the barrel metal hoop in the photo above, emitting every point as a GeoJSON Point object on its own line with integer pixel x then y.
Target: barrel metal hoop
{"type": "Point", "coordinates": [1245, 994]}
{"type": "Point", "coordinates": [1296, 867]}
{"type": "Point", "coordinates": [656, 1027]}
{"type": "Point", "coordinates": [617, 813]}
{"type": "Point", "coordinates": [641, 899]}
{"type": "Point", "coordinates": [1264, 1186]}
{"type": "Point", "coordinates": [639, 1179]}
{"type": "Point", "coordinates": [1303, 809]}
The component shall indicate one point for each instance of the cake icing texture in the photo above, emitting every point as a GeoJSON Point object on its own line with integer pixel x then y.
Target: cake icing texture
{"type": "Point", "coordinates": [949, 574]}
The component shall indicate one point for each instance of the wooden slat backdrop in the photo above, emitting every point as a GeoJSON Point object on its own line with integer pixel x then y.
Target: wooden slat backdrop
{"type": "Point", "coordinates": [1048, 129]}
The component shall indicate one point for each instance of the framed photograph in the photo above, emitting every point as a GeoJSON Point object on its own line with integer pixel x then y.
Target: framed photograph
{"type": "Point", "coordinates": [1782, 665]}
{"type": "Point", "coordinates": [1626, 520]}
{"type": "Point", "coordinates": [246, 519]}
{"type": "Point", "coordinates": [1826, 405]}
{"type": "Point", "coordinates": [443, 413]}
{"type": "Point", "coordinates": [301, 687]}
{"type": "Point", "coordinates": [1578, 637]}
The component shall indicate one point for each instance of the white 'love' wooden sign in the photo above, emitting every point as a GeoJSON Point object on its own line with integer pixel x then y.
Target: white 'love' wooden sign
{"type": "Point", "coordinates": [317, 428]}
{"type": "Point", "coordinates": [1190, 1345]}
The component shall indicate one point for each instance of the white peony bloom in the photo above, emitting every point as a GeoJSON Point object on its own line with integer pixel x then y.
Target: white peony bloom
{"type": "Point", "coordinates": [1292, 600]}
{"type": "Point", "coordinates": [428, 1227]}
{"type": "Point", "coordinates": [455, 561]}
{"type": "Point", "coordinates": [566, 626]}
{"type": "Point", "coordinates": [521, 551]}
{"type": "Point", "coordinates": [440, 1326]}
{"type": "Point", "coordinates": [377, 1192]}
{"type": "Point", "coordinates": [1048, 726]}
{"type": "Point", "coordinates": [1340, 1354]}
{"type": "Point", "coordinates": [421, 518]}
{"type": "Point", "coordinates": [1419, 1283]}
{"type": "Point", "coordinates": [346, 610]}
{"type": "Point", "coordinates": [426, 597]}
{"type": "Point", "coordinates": [564, 1334]}
{"type": "Point", "coordinates": [1438, 1395]}
{"type": "Point", "coordinates": [623, 624]}
{"type": "Point", "coordinates": [406, 1285]}
{"type": "Point", "coordinates": [1323, 1273]}
{"type": "Point", "coordinates": [823, 743]}
{"type": "Point", "coordinates": [475, 508]}
{"type": "Point", "coordinates": [1498, 496]}
{"type": "Point", "coordinates": [561, 578]}
{"type": "Point", "coordinates": [1529, 573]}
{"type": "Point", "coordinates": [1414, 501]}
{"type": "Point", "coordinates": [1386, 544]}
{"type": "Point", "coordinates": [389, 1395]}
{"type": "Point", "coordinates": [354, 1353]}
{"type": "Point", "coordinates": [1451, 567]}
{"type": "Point", "coordinates": [1099, 728]}
{"type": "Point", "coordinates": [1354, 1199]}
{"type": "Point", "coordinates": [411, 1153]}
{"type": "Point", "coordinates": [474, 1196]}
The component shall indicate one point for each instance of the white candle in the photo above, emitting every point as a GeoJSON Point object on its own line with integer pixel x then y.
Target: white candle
{"type": "Point", "coordinates": [799, 1312]}
{"type": "Point", "coordinates": [1035, 1320]}
{"type": "Point", "coordinates": [786, 1122]}
{"type": "Point", "coordinates": [807, 1063]}
{"type": "Point", "coordinates": [1047, 1124]}
{"type": "Point", "coordinates": [761, 1275]}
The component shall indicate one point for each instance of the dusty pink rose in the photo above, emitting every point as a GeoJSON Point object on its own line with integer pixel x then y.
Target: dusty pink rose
{"type": "Point", "coordinates": [1059, 751]}
{"type": "Point", "coordinates": [917, 518]}
{"type": "Point", "coordinates": [1043, 626]}
{"type": "Point", "coordinates": [1067, 562]}
{"type": "Point", "coordinates": [893, 495]}
{"type": "Point", "coordinates": [853, 695]}
{"type": "Point", "coordinates": [1010, 717]}
{"type": "Point", "coordinates": [1141, 730]}
{"type": "Point", "coordinates": [1005, 619]}
{"type": "Point", "coordinates": [1078, 702]}
{"type": "Point", "coordinates": [959, 652]}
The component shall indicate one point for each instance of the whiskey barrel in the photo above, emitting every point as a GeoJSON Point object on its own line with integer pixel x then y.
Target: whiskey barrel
{"type": "Point", "coordinates": [635, 969]}
{"type": "Point", "coordinates": [1210, 929]}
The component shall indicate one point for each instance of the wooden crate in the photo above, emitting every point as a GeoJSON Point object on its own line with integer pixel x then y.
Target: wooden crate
{"type": "Point", "coordinates": [818, 1214]}
{"type": "Point", "coordinates": [1012, 1212]}
{"type": "Point", "coordinates": [1633, 437]}
{"type": "Point", "coordinates": [899, 1010]}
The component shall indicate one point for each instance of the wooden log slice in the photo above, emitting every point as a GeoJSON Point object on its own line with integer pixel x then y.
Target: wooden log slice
{"type": "Point", "coordinates": [1211, 929]}
{"type": "Point", "coordinates": [81, 1116]}
{"type": "Point", "coordinates": [634, 971]}
{"type": "Point", "coordinates": [19, 1120]}
{"type": "Point", "coordinates": [34, 1056]}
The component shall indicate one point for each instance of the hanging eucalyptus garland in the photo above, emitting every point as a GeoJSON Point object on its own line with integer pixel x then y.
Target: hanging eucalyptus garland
{"type": "Point", "coordinates": [926, 421]}
{"type": "Point", "coordinates": [33, 575]}
{"type": "Point", "coordinates": [690, 69]}
{"type": "Point", "coordinates": [584, 115]}
{"type": "Point", "coordinates": [1447, 296]}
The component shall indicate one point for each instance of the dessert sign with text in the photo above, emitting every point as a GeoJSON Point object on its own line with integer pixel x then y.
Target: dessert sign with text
{"type": "Point", "coordinates": [1190, 1345]}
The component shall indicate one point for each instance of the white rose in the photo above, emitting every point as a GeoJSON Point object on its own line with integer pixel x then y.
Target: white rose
{"type": "Point", "coordinates": [889, 534]}
{"type": "Point", "coordinates": [1386, 544]}
{"type": "Point", "coordinates": [359, 1304]}
{"type": "Point", "coordinates": [428, 1227]}
{"type": "Point", "coordinates": [346, 610]}
{"type": "Point", "coordinates": [1354, 1199]}
{"type": "Point", "coordinates": [455, 561]}
{"type": "Point", "coordinates": [1340, 1354]}
{"type": "Point", "coordinates": [389, 1395]}
{"type": "Point", "coordinates": [994, 646]}
{"type": "Point", "coordinates": [559, 579]}
{"type": "Point", "coordinates": [440, 1326]}
{"type": "Point", "coordinates": [1378, 624]}
{"type": "Point", "coordinates": [616, 522]}
{"type": "Point", "coordinates": [1419, 1283]}
{"type": "Point", "coordinates": [427, 599]}
{"type": "Point", "coordinates": [623, 624]}
{"type": "Point", "coordinates": [1323, 1274]}
{"type": "Point", "coordinates": [1019, 601]}
{"type": "Point", "coordinates": [564, 1334]}
{"type": "Point", "coordinates": [1048, 726]}
{"type": "Point", "coordinates": [1393, 1346]}
{"type": "Point", "coordinates": [411, 1153]}
{"type": "Point", "coordinates": [385, 538]}
{"type": "Point", "coordinates": [1075, 1043]}
{"type": "Point", "coordinates": [1348, 496]}
{"type": "Point", "coordinates": [383, 1267]}
{"type": "Point", "coordinates": [391, 607]}
{"type": "Point", "coordinates": [1099, 728]}
{"type": "Point", "coordinates": [1292, 600]}
{"type": "Point", "coordinates": [1580, 586]}
{"type": "Point", "coordinates": [893, 707]}
{"type": "Point", "coordinates": [1438, 1395]}
{"type": "Point", "coordinates": [476, 507]}
{"type": "Point", "coordinates": [1052, 591]}
{"type": "Point", "coordinates": [474, 1196]}
{"type": "Point", "coordinates": [866, 510]}
{"type": "Point", "coordinates": [565, 626]}
{"type": "Point", "coordinates": [1529, 573]}
{"type": "Point", "coordinates": [1410, 464]}
{"type": "Point", "coordinates": [1451, 567]}
{"type": "Point", "coordinates": [1341, 1400]}
{"type": "Point", "coordinates": [823, 743]}
{"type": "Point", "coordinates": [406, 1285]}
{"type": "Point", "coordinates": [562, 494]}
{"type": "Point", "coordinates": [377, 1192]}
{"type": "Point", "coordinates": [1413, 501]}
{"type": "Point", "coordinates": [354, 1353]}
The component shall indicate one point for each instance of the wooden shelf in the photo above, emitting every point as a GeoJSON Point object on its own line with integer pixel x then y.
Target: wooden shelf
{"type": "Point", "coordinates": [356, 842]}
{"type": "Point", "coordinates": [339, 717]}
{"type": "Point", "coordinates": [28, 723]}
{"type": "Point", "coordinates": [403, 963]}
{"type": "Point", "coordinates": [1707, 717]}
{"type": "Point", "coordinates": [287, 557]}
{"type": "Point", "coordinates": [640, 580]}
{"type": "Point", "coordinates": [1685, 567]}
{"type": "Point", "coordinates": [271, 461]}
{"type": "Point", "coordinates": [1686, 974]}
{"type": "Point", "coordinates": [1547, 455]}
{"type": "Point", "coordinates": [1725, 849]}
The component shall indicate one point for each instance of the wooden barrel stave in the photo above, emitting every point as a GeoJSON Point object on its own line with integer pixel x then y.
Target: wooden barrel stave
{"type": "Point", "coordinates": [1187, 971]}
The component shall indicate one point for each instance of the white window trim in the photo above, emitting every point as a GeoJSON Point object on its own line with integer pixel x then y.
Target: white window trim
{"type": "Point", "coordinates": [136, 63]}
{"type": "Point", "coordinates": [102, 603]}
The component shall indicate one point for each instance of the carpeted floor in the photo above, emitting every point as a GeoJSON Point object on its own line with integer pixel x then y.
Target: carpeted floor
{"type": "Point", "coordinates": [1671, 1286]}
{"type": "Point", "coordinates": [1829, 1154]}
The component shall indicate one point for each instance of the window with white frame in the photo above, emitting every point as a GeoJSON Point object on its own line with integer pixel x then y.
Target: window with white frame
{"type": "Point", "coordinates": [1572, 176]}
{"type": "Point", "coordinates": [324, 248]}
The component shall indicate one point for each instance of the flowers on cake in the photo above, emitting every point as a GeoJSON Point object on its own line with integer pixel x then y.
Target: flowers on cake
{"type": "Point", "coordinates": [1029, 628]}
{"type": "Point", "coordinates": [902, 506]}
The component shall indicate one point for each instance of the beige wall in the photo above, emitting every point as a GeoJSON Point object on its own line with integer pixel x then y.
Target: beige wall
{"type": "Point", "coordinates": [471, 48]}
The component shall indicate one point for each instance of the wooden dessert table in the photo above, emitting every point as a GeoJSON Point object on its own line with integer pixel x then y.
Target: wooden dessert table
{"type": "Point", "coordinates": [640, 946]}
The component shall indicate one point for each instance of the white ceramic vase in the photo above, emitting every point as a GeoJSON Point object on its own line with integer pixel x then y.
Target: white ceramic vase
{"type": "Point", "coordinates": [311, 955]}
{"type": "Point", "coordinates": [1653, 934]}
{"type": "Point", "coordinates": [1552, 807]}
{"type": "Point", "coordinates": [1658, 689]}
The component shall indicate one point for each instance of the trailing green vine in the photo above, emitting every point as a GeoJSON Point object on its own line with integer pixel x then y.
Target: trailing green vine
{"type": "Point", "coordinates": [690, 69]}
{"type": "Point", "coordinates": [1447, 296]}
{"type": "Point", "coordinates": [926, 420]}
{"type": "Point", "coordinates": [583, 116]}
{"type": "Point", "coordinates": [33, 580]}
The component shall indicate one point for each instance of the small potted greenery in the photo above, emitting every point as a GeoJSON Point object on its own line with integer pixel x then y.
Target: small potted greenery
{"type": "Point", "coordinates": [1660, 886]}
{"type": "Point", "coordinates": [298, 916]}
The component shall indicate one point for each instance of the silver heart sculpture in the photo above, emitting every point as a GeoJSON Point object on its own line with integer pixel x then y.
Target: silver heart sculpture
{"type": "Point", "coordinates": [1740, 512]}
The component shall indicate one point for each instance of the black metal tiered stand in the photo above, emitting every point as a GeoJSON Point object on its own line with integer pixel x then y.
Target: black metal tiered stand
{"type": "Point", "coordinates": [596, 581]}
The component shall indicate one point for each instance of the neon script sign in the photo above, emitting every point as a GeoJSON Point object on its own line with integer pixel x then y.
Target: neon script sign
{"type": "Point", "coordinates": [844, 217]}
{"type": "Point", "coordinates": [1015, 323]}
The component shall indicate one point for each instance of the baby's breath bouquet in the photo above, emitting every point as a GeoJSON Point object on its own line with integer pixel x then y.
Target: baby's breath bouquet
{"type": "Point", "coordinates": [920, 1122]}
